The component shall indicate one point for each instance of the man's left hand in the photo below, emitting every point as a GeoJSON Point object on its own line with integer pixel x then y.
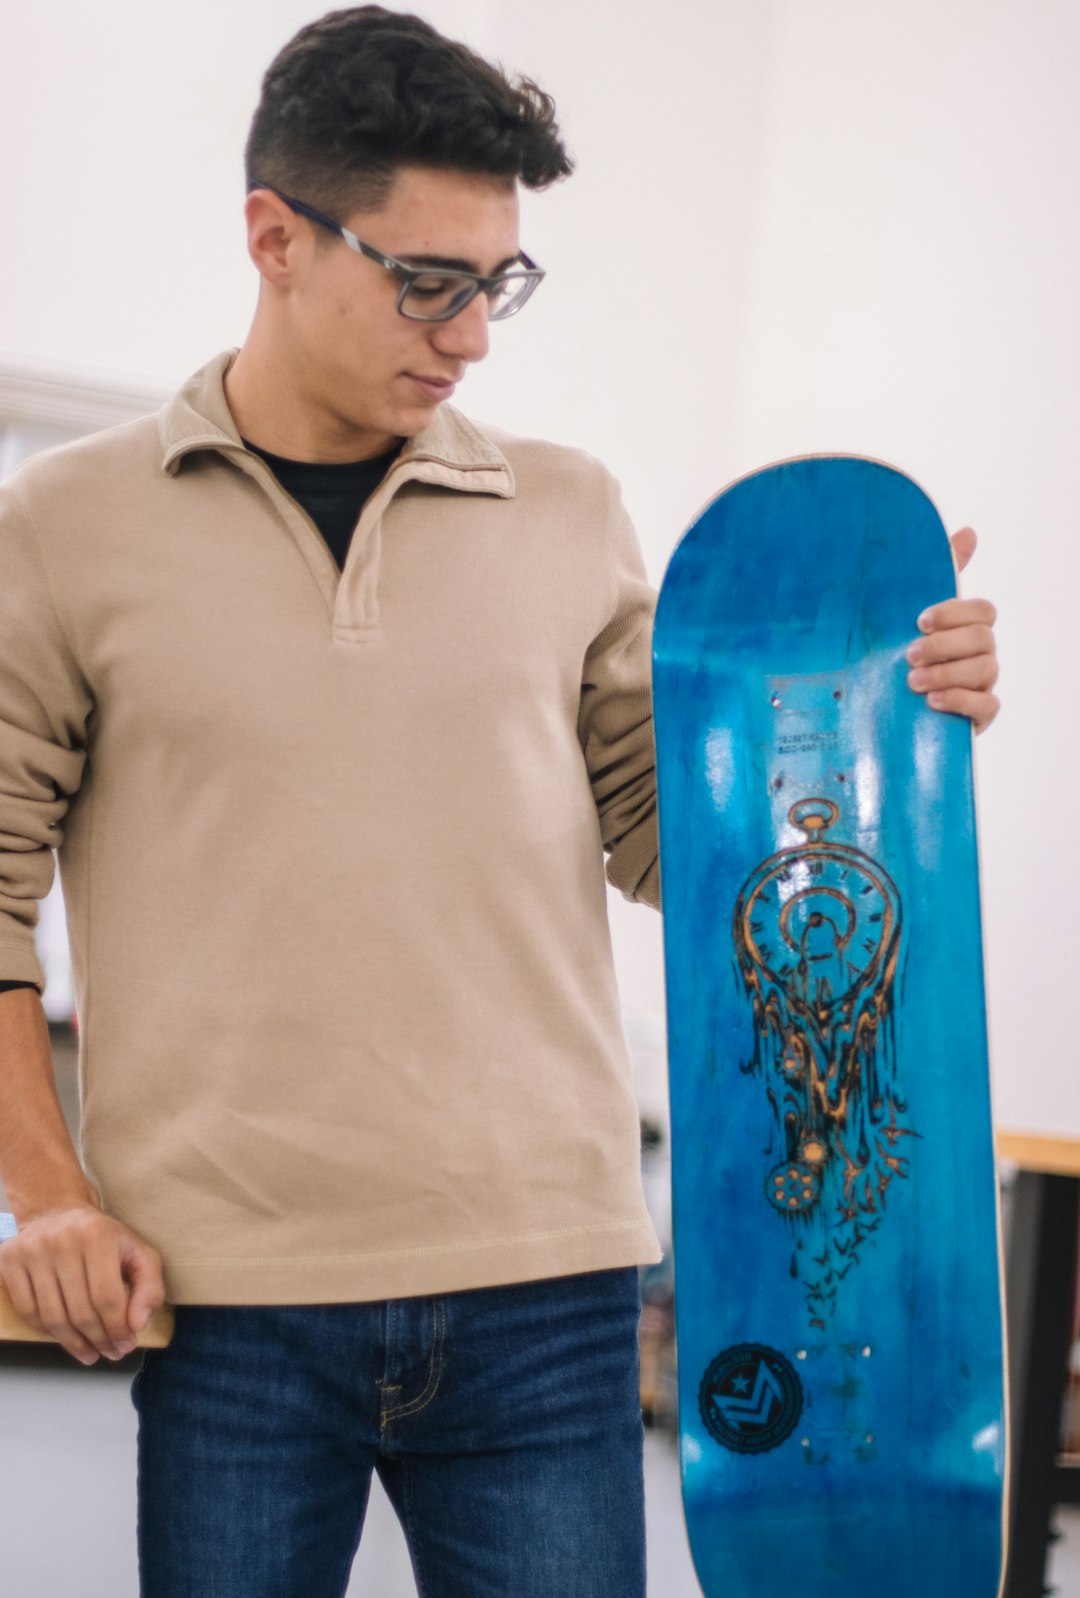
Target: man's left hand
{"type": "Point", "coordinates": [955, 661]}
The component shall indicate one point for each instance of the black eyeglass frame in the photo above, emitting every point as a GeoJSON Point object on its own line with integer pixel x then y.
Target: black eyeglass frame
{"type": "Point", "coordinates": [407, 275]}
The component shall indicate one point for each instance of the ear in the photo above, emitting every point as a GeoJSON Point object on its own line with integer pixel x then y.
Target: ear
{"type": "Point", "coordinates": [275, 240]}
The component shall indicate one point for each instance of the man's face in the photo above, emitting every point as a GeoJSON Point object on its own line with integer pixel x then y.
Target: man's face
{"type": "Point", "coordinates": [374, 374]}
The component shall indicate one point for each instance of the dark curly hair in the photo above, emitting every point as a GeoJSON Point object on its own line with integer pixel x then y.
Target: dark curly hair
{"type": "Point", "coordinates": [363, 91]}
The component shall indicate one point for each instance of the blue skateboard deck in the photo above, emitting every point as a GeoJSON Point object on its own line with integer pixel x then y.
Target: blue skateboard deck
{"type": "Point", "coordinates": [835, 1223]}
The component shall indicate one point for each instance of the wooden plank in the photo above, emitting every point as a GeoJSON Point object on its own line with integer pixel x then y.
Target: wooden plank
{"type": "Point", "coordinates": [1037, 1151]}
{"type": "Point", "coordinates": [13, 1329]}
{"type": "Point", "coordinates": [155, 1334]}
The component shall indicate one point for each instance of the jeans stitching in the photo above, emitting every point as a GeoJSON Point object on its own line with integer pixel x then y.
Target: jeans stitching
{"type": "Point", "coordinates": [390, 1346]}
{"type": "Point", "coordinates": [414, 1406]}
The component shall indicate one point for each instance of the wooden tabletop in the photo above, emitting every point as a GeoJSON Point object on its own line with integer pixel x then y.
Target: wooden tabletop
{"type": "Point", "coordinates": [1037, 1151]}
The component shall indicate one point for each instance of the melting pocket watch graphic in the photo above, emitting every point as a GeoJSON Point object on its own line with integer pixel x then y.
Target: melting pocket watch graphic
{"type": "Point", "coordinates": [817, 931]}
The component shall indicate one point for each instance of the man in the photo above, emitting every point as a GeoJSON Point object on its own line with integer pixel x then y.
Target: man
{"type": "Point", "coordinates": [335, 702]}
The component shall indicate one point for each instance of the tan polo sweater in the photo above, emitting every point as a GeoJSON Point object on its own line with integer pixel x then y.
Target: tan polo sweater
{"type": "Point", "coordinates": [332, 848]}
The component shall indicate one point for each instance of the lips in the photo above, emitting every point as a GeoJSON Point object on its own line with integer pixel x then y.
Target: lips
{"type": "Point", "coordinates": [437, 388]}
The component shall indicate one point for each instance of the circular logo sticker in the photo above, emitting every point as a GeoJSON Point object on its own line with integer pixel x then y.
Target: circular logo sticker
{"type": "Point", "coordinates": [750, 1398]}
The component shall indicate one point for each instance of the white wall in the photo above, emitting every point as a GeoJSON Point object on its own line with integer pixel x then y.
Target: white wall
{"type": "Point", "coordinates": [877, 204]}
{"type": "Point", "coordinates": [914, 297]}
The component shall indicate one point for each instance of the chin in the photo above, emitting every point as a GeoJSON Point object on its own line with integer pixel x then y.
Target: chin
{"type": "Point", "coordinates": [412, 419]}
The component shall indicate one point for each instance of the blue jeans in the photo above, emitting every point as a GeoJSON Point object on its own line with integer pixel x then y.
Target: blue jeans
{"type": "Point", "coordinates": [504, 1423]}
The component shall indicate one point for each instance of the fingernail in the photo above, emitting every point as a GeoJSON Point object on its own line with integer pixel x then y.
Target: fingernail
{"type": "Point", "coordinates": [915, 652]}
{"type": "Point", "coordinates": [937, 700]}
{"type": "Point", "coordinates": [918, 679]}
{"type": "Point", "coordinates": [923, 621]}
{"type": "Point", "coordinates": [125, 1347]}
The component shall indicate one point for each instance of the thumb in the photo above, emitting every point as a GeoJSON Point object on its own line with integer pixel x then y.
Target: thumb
{"type": "Point", "coordinates": [142, 1268]}
{"type": "Point", "coordinates": [963, 546]}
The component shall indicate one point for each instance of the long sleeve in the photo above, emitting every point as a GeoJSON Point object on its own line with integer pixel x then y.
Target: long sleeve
{"type": "Point", "coordinates": [615, 719]}
{"type": "Point", "coordinates": [333, 865]}
{"type": "Point", "coordinates": [44, 704]}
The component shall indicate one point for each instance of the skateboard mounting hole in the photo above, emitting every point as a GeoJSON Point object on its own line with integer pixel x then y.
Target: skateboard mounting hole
{"type": "Point", "coordinates": [838, 693]}
{"type": "Point", "coordinates": [775, 701]}
{"type": "Point", "coordinates": [800, 1353]}
{"type": "Point", "coordinates": [869, 1437]}
{"type": "Point", "coordinates": [805, 1442]}
{"type": "Point", "coordinates": [840, 776]}
{"type": "Point", "coordinates": [867, 1351]}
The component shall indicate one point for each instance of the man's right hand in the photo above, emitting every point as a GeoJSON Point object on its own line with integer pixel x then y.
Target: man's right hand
{"type": "Point", "coordinates": [83, 1278]}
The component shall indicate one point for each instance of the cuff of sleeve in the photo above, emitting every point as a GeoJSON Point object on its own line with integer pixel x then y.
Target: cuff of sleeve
{"type": "Point", "coordinates": [20, 963]}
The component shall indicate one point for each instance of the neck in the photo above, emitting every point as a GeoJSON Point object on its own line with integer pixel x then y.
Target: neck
{"type": "Point", "coordinates": [276, 406]}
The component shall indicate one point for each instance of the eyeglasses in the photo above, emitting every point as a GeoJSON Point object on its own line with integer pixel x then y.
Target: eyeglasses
{"type": "Point", "coordinates": [426, 294]}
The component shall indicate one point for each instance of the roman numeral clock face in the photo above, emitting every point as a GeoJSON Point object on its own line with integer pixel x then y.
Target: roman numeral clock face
{"type": "Point", "coordinates": [816, 919]}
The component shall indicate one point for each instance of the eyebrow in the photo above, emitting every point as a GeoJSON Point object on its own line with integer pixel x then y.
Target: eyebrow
{"type": "Point", "coordinates": [453, 263]}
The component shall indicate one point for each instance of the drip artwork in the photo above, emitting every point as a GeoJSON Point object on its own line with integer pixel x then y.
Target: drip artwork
{"type": "Point", "coordinates": [817, 932]}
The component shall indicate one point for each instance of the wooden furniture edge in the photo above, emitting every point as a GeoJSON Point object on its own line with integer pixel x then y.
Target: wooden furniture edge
{"type": "Point", "coordinates": [1039, 1151]}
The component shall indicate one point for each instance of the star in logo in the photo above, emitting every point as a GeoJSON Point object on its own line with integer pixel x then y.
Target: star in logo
{"type": "Point", "coordinates": [750, 1398]}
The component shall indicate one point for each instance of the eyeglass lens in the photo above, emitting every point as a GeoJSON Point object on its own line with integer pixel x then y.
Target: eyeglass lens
{"type": "Point", "coordinates": [437, 295]}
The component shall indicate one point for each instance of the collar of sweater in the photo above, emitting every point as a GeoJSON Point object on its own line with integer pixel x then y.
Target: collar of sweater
{"type": "Point", "coordinates": [452, 451]}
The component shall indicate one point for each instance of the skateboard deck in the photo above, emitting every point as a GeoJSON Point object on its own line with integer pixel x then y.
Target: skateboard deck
{"type": "Point", "coordinates": [157, 1332]}
{"type": "Point", "coordinates": [835, 1222]}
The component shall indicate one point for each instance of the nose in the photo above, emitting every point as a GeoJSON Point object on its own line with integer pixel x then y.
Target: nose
{"type": "Point", "coordinates": [465, 336]}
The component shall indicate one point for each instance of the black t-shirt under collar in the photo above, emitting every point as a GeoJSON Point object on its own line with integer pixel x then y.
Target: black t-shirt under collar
{"type": "Point", "coordinates": [333, 493]}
